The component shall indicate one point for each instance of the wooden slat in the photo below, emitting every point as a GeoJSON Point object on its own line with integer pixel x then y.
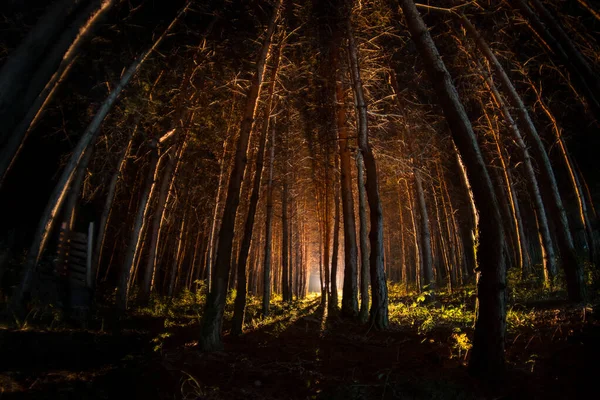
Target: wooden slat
{"type": "Point", "coordinates": [77, 268]}
{"type": "Point", "coordinates": [76, 282]}
{"type": "Point", "coordinates": [78, 246]}
{"type": "Point", "coordinates": [77, 253]}
{"type": "Point", "coordinates": [78, 236]}
{"type": "Point", "coordinates": [76, 274]}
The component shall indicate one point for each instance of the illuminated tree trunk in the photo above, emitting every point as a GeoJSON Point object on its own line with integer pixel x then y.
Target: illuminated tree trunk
{"type": "Point", "coordinates": [213, 313]}
{"type": "Point", "coordinates": [417, 265]}
{"type": "Point", "coordinates": [176, 264]}
{"type": "Point", "coordinates": [158, 217]}
{"type": "Point", "coordinates": [379, 294]}
{"type": "Point", "coordinates": [285, 262]}
{"type": "Point", "coordinates": [18, 73]}
{"type": "Point", "coordinates": [58, 195]}
{"type": "Point", "coordinates": [51, 72]}
{"type": "Point", "coordinates": [108, 203]}
{"type": "Point", "coordinates": [550, 32]}
{"type": "Point", "coordinates": [333, 297]}
{"type": "Point", "coordinates": [240, 299]}
{"type": "Point", "coordinates": [268, 235]}
{"type": "Point", "coordinates": [136, 234]}
{"type": "Point", "coordinates": [487, 357]}
{"type": "Point", "coordinates": [575, 180]}
{"type": "Point", "coordinates": [427, 265]}
{"type": "Point", "coordinates": [573, 269]}
{"type": "Point", "coordinates": [350, 288]}
{"type": "Point", "coordinates": [364, 246]}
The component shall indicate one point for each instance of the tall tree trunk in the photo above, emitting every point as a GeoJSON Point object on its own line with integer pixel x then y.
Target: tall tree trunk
{"type": "Point", "coordinates": [418, 260]}
{"type": "Point", "coordinates": [268, 235]}
{"type": "Point", "coordinates": [487, 357]}
{"type": "Point", "coordinates": [521, 240]}
{"type": "Point", "coordinates": [58, 195]}
{"type": "Point", "coordinates": [364, 246]}
{"type": "Point", "coordinates": [213, 313]}
{"type": "Point", "coordinates": [428, 279]}
{"type": "Point", "coordinates": [573, 269]}
{"type": "Point", "coordinates": [136, 234]}
{"type": "Point", "coordinates": [240, 299]}
{"type": "Point", "coordinates": [23, 62]}
{"type": "Point", "coordinates": [379, 305]}
{"type": "Point", "coordinates": [574, 178]}
{"type": "Point", "coordinates": [350, 288]}
{"type": "Point", "coordinates": [108, 203]}
{"type": "Point", "coordinates": [174, 158]}
{"type": "Point", "coordinates": [285, 262]}
{"type": "Point", "coordinates": [333, 297]}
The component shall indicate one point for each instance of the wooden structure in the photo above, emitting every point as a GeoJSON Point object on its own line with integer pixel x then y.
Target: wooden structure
{"type": "Point", "coordinates": [75, 256]}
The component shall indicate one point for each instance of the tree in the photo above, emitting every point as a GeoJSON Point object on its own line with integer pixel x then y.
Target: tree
{"type": "Point", "coordinates": [487, 357]}
{"type": "Point", "coordinates": [215, 303]}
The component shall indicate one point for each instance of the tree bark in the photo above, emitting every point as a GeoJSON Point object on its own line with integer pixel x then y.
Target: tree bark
{"type": "Point", "coordinates": [333, 297]}
{"type": "Point", "coordinates": [213, 313]}
{"type": "Point", "coordinates": [350, 288]}
{"type": "Point", "coordinates": [364, 246]}
{"type": "Point", "coordinates": [573, 269]}
{"type": "Point", "coordinates": [136, 234]}
{"type": "Point", "coordinates": [48, 78]}
{"type": "Point", "coordinates": [240, 299]}
{"type": "Point", "coordinates": [21, 65]}
{"type": "Point", "coordinates": [428, 282]}
{"type": "Point", "coordinates": [379, 293]}
{"type": "Point", "coordinates": [108, 203]}
{"type": "Point", "coordinates": [58, 195]}
{"type": "Point", "coordinates": [487, 357]}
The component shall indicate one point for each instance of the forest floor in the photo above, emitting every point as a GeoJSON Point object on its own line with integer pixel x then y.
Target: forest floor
{"type": "Point", "coordinates": [303, 352]}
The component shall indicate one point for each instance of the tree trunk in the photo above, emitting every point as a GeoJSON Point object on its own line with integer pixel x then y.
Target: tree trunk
{"type": "Point", "coordinates": [585, 80]}
{"type": "Point", "coordinates": [44, 83]}
{"type": "Point", "coordinates": [240, 299]}
{"type": "Point", "coordinates": [379, 305]}
{"type": "Point", "coordinates": [21, 65]}
{"type": "Point", "coordinates": [350, 287]}
{"type": "Point", "coordinates": [138, 225]}
{"type": "Point", "coordinates": [364, 246]}
{"type": "Point", "coordinates": [285, 263]}
{"type": "Point", "coordinates": [108, 203]}
{"type": "Point", "coordinates": [427, 265]}
{"type": "Point", "coordinates": [333, 297]}
{"type": "Point", "coordinates": [58, 195]}
{"type": "Point", "coordinates": [213, 313]}
{"type": "Point", "coordinates": [487, 357]}
{"type": "Point", "coordinates": [159, 214]}
{"type": "Point", "coordinates": [575, 181]}
{"type": "Point", "coordinates": [573, 269]}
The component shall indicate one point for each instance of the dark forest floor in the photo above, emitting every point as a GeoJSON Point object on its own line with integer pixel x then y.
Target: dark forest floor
{"type": "Point", "coordinates": [300, 353]}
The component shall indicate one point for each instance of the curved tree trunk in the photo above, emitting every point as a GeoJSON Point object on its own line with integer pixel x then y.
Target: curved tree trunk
{"type": "Point", "coordinates": [487, 357]}
{"type": "Point", "coordinates": [573, 269]}
{"type": "Point", "coordinates": [549, 259]}
{"type": "Point", "coordinates": [44, 83]}
{"type": "Point", "coordinates": [21, 65]}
